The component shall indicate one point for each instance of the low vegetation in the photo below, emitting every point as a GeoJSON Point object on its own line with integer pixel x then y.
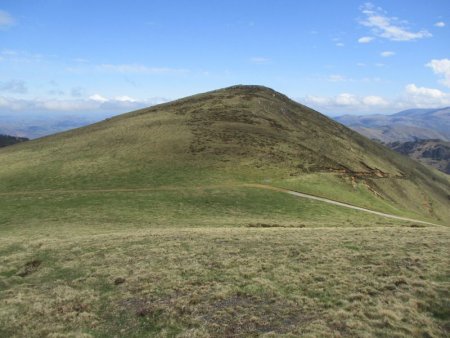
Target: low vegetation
{"type": "Point", "coordinates": [168, 222]}
{"type": "Point", "coordinates": [209, 282]}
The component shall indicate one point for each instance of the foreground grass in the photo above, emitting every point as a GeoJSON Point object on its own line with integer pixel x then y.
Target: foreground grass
{"type": "Point", "coordinates": [204, 282]}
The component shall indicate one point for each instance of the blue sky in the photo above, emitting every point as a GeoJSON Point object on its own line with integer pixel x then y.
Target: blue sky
{"type": "Point", "coordinates": [97, 57]}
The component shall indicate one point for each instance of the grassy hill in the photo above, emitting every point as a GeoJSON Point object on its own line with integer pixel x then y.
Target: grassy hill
{"type": "Point", "coordinates": [151, 224]}
{"type": "Point", "coordinates": [235, 135]}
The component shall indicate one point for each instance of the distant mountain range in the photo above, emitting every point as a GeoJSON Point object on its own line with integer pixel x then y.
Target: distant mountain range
{"type": "Point", "coordinates": [408, 125]}
{"type": "Point", "coordinates": [34, 126]}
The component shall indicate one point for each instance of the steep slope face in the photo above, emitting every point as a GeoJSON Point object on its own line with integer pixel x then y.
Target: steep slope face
{"type": "Point", "coordinates": [435, 153]}
{"type": "Point", "coordinates": [237, 134]}
{"type": "Point", "coordinates": [404, 126]}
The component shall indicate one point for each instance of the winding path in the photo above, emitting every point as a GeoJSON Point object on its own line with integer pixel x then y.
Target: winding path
{"type": "Point", "coordinates": [341, 204]}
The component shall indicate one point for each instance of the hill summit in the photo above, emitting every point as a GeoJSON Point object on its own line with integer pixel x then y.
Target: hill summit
{"type": "Point", "coordinates": [237, 134]}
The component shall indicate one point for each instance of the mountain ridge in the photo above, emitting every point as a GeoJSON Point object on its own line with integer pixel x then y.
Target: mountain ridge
{"type": "Point", "coordinates": [433, 152]}
{"type": "Point", "coordinates": [407, 125]}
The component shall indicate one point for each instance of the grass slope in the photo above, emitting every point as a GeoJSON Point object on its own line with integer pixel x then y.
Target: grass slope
{"type": "Point", "coordinates": [238, 134]}
{"type": "Point", "coordinates": [140, 226]}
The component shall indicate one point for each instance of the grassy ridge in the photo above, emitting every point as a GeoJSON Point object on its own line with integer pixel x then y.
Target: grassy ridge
{"type": "Point", "coordinates": [239, 134]}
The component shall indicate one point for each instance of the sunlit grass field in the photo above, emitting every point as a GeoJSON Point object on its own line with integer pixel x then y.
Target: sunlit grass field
{"type": "Point", "coordinates": [216, 262]}
{"type": "Point", "coordinates": [226, 281]}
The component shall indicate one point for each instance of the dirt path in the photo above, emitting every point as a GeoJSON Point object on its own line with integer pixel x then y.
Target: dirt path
{"type": "Point", "coordinates": [249, 185]}
{"type": "Point", "coordinates": [341, 204]}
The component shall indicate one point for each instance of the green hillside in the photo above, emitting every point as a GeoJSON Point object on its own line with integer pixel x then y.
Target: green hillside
{"type": "Point", "coordinates": [170, 222]}
{"type": "Point", "coordinates": [229, 136]}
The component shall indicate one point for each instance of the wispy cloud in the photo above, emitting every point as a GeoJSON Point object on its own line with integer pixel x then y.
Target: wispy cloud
{"type": "Point", "coordinates": [338, 42]}
{"type": "Point", "coordinates": [365, 39]}
{"type": "Point", "coordinates": [440, 24]}
{"type": "Point", "coordinates": [259, 60]}
{"type": "Point", "coordinates": [387, 54]}
{"type": "Point", "coordinates": [13, 86]}
{"type": "Point", "coordinates": [18, 56]}
{"type": "Point", "coordinates": [441, 68]}
{"type": "Point", "coordinates": [337, 78]}
{"type": "Point", "coordinates": [391, 28]}
{"type": "Point", "coordinates": [346, 102]}
{"type": "Point", "coordinates": [77, 92]}
{"type": "Point", "coordinates": [6, 20]}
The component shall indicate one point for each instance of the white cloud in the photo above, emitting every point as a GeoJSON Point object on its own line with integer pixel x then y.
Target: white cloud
{"type": "Point", "coordinates": [386, 54]}
{"type": "Point", "coordinates": [98, 98]}
{"type": "Point", "coordinates": [441, 68]}
{"type": "Point", "coordinates": [62, 105]}
{"type": "Point", "coordinates": [375, 101]}
{"type": "Point", "coordinates": [6, 19]}
{"type": "Point", "coordinates": [422, 91]}
{"type": "Point", "coordinates": [11, 104]}
{"type": "Point", "coordinates": [422, 97]}
{"type": "Point", "coordinates": [346, 99]}
{"type": "Point", "coordinates": [365, 39]}
{"type": "Point", "coordinates": [412, 97]}
{"type": "Point", "coordinates": [336, 78]}
{"type": "Point", "coordinates": [93, 104]}
{"type": "Point", "coordinates": [440, 24]}
{"type": "Point", "coordinates": [124, 98]}
{"type": "Point", "coordinates": [259, 60]}
{"type": "Point", "coordinates": [390, 28]}
{"type": "Point", "coordinates": [346, 102]}
{"type": "Point", "coordinates": [339, 44]}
